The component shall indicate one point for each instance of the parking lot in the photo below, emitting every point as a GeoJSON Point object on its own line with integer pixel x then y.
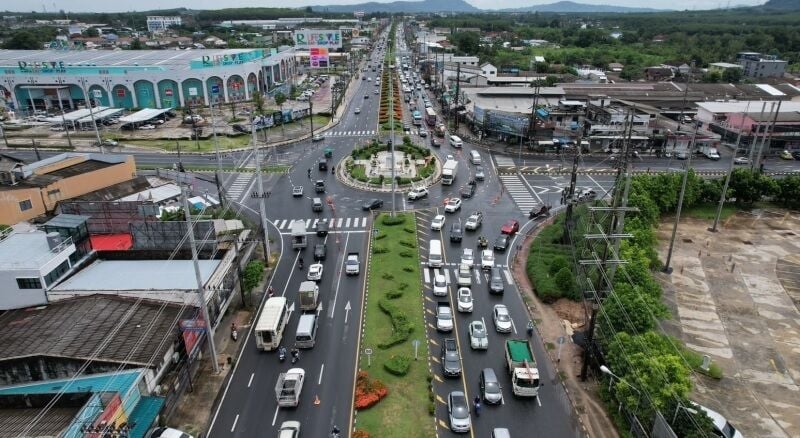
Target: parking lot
{"type": "Point", "coordinates": [734, 296]}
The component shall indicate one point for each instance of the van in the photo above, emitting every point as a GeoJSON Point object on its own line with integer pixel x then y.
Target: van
{"type": "Point", "coordinates": [306, 331]}
{"type": "Point", "coordinates": [435, 254]}
{"type": "Point", "coordinates": [491, 392]}
{"type": "Point", "coordinates": [455, 141]}
{"type": "Point", "coordinates": [475, 157]}
{"type": "Point", "coordinates": [316, 204]}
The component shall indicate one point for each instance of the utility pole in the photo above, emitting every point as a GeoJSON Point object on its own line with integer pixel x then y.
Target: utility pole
{"type": "Point", "coordinates": [217, 178]}
{"type": "Point", "coordinates": [713, 228]}
{"type": "Point", "coordinates": [201, 290]}
{"type": "Point", "coordinates": [262, 209]}
{"type": "Point", "coordinates": [667, 268]}
{"type": "Point", "coordinates": [458, 90]}
{"type": "Point", "coordinates": [532, 125]}
{"type": "Point", "coordinates": [768, 136]}
{"type": "Point", "coordinates": [311, 117]}
{"type": "Point", "coordinates": [755, 136]}
{"type": "Point", "coordinates": [63, 120]}
{"type": "Point", "coordinates": [91, 114]}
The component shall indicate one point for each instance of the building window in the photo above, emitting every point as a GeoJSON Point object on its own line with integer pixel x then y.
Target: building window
{"type": "Point", "coordinates": [54, 194]}
{"type": "Point", "coordinates": [56, 273]}
{"type": "Point", "coordinates": [25, 205]}
{"type": "Point", "coordinates": [29, 283]}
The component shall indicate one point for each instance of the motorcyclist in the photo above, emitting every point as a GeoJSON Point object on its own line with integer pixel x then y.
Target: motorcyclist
{"type": "Point", "coordinates": [530, 328]}
{"type": "Point", "coordinates": [270, 292]}
{"type": "Point", "coordinates": [300, 263]}
{"type": "Point", "coordinates": [477, 403]}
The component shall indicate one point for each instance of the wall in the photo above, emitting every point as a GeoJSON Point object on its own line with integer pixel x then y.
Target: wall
{"type": "Point", "coordinates": [88, 182]}
{"type": "Point", "coordinates": [10, 212]}
{"type": "Point", "coordinates": [11, 297]}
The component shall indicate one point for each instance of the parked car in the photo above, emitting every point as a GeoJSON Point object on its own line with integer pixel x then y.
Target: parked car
{"type": "Point", "coordinates": [510, 227]}
{"type": "Point", "coordinates": [502, 319]}
{"type": "Point", "coordinates": [478, 339]}
{"type": "Point", "coordinates": [147, 127]}
{"type": "Point", "coordinates": [438, 222]}
{"type": "Point", "coordinates": [372, 204]}
{"type": "Point", "coordinates": [167, 432]}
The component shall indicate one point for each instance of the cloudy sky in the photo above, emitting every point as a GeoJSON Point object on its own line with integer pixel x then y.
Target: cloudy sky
{"type": "Point", "coordinates": [143, 5]}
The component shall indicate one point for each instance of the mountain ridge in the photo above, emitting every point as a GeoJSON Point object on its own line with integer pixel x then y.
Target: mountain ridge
{"type": "Point", "coordinates": [463, 6]}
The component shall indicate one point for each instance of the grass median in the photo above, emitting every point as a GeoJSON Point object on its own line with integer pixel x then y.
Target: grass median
{"type": "Point", "coordinates": [393, 320]}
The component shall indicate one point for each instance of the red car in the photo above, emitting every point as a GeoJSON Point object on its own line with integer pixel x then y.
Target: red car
{"type": "Point", "coordinates": [510, 227]}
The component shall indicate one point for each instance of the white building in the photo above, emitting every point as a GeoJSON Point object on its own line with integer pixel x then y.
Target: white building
{"type": "Point", "coordinates": [159, 23]}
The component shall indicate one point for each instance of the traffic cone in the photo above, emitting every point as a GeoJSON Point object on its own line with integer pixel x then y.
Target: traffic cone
{"type": "Point", "coordinates": [316, 400]}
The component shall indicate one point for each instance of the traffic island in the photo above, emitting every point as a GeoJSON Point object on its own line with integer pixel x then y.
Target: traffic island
{"type": "Point", "coordinates": [392, 324]}
{"type": "Point", "coordinates": [370, 168]}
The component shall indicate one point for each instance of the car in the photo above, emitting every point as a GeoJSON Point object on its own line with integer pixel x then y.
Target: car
{"type": "Point", "coordinates": [315, 272]}
{"type": "Point", "coordinates": [377, 91]}
{"type": "Point", "coordinates": [438, 222]}
{"type": "Point", "coordinates": [465, 300]}
{"type": "Point", "coordinates": [478, 338]}
{"type": "Point", "coordinates": [167, 432]}
{"type": "Point", "coordinates": [501, 243]}
{"type": "Point", "coordinates": [147, 127]}
{"type": "Point", "coordinates": [681, 155]}
{"type": "Point", "coordinates": [479, 174]}
{"type": "Point", "coordinates": [451, 360]}
{"type": "Point", "coordinates": [468, 257]}
{"type": "Point", "coordinates": [458, 412]}
{"type": "Point", "coordinates": [786, 155]}
{"type": "Point", "coordinates": [453, 205]}
{"type": "Point", "coordinates": [474, 221]}
{"type": "Point", "coordinates": [417, 193]}
{"type": "Point", "coordinates": [109, 142]}
{"type": "Point", "coordinates": [587, 195]}
{"type": "Point", "coordinates": [318, 137]}
{"type": "Point", "coordinates": [289, 429]}
{"type": "Point", "coordinates": [372, 204]}
{"type": "Point", "coordinates": [320, 251]}
{"type": "Point", "coordinates": [428, 104]}
{"type": "Point", "coordinates": [741, 160]}
{"type": "Point", "coordinates": [423, 133]}
{"type": "Point", "coordinates": [319, 186]}
{"type": "Point", "coordinates": [364, 78]}
{"type": "Point", "coordinates": [435, 142]}
{"type": "Point", "coordinates": [456, 233]}
{"type": "Point", "coordinates": [449, 157]}
{"type": "Point", "coordinates": [796, 155]}
{"type": "Point", "coordinates": [56, 128]}
{"type": "Point", "coordinates": [722, 427]}
{"type": "Point", "coordinates": [510, 227]}
{"type": "Point", "coordinates": [157, 121]}
{"type": "Point", "coordinates": [357, 111]}
{"type": "Point", "coordinates": [491, 392]}
{"type": "Point", "coordinates": [321, 228]}
{"type": "Point", "coordinates": [297, 191]}
{"type": "Point", "coordinates": [500, 432]}
{"type": "Point", "coordinates": [464, 276]}
{"type": "Point", "coordinates": [468, 190]}
{"type": "Point", "coordinates": [487, 259]}
{"type": "Point", "coordinates": [439, 285]}
{"type": "Point", "coordinates": [496, 281]}
{"type": "Point", "coordinates": [502, 319]}
{"type": "Point", "coordinates": [323, 164]}
{"type": "Point", "coordinates": [366, 96]}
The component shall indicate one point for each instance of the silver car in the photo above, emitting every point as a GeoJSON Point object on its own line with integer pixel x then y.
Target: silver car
{"type": "Point", "coordinates": [458, 411]}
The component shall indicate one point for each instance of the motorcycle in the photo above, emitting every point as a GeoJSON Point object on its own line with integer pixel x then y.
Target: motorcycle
{"type": "Point", "coordinates": [282, 354]}
{"type": "Point", "coordinates": [234, 335]}
{"type": "Point", "coordinates": [544, 211]}
{"type": "Point", "coordinates": [483, 242]}
{"type": "Point", "coordinates": [295, 356]}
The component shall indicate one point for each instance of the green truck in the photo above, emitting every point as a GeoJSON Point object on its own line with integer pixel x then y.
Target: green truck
{"type": "Point", "coordinates": [522, 367]}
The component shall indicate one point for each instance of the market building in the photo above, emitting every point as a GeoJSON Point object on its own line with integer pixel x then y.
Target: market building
{"type": "Point", "coordinates": [50, 79]}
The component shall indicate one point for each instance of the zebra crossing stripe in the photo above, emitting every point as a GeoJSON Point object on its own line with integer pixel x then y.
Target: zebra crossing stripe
{"type": "Point", "coordinates": [347, 223]}
{"type": "Point", "coordinates": [339, 223]}
{"type": "Point", "coordinates": [446, 275]}
{"type": "Point", "coordinates": [508, 276]}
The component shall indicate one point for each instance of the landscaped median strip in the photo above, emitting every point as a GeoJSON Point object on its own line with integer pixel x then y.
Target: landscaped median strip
{"type": "Point", "coordinates": [392, 387]}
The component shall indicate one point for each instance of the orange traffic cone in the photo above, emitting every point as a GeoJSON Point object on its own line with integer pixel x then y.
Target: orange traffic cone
{"type": "Point", "coordinates": [316, 400]}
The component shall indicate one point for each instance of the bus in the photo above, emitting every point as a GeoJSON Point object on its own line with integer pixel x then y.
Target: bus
{"type": "Point", "coordinates": [430, 117]}
{"type": "Point", "coordinates": [417, 118]}
{"type": "Point", "coordinates": [271, 322]}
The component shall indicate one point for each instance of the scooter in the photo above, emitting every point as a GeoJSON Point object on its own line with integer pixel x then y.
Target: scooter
{"type": "Point", "coordinates": [295, 356]}
{"type": "Point", "coordinates": [234, 334]}
{"type": "Point", "coordinates": [282, 354]}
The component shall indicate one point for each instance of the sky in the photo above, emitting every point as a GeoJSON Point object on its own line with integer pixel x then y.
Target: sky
{"type": "Point", "coordinates": [143, 5]}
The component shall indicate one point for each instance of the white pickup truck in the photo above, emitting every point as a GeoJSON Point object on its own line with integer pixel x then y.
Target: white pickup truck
{"type": "Point", "coordinates": [289, 387]}
{"type": "Point", "coordinates": [352, 266]}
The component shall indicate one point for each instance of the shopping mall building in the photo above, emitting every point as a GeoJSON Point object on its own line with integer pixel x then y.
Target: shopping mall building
{"type": "Point", "coordinates": [49, 79]}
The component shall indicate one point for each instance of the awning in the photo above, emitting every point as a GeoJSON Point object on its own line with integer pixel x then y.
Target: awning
{"type": "Point", "coordinates": [99, 115]}
{"type": "Point", "coordinates": [143, 115]}
{"type": "Point", "coordinates": [74, 116]}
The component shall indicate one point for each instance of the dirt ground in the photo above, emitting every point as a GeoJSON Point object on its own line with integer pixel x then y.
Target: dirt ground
{"type": "Point", "coordinates": [562, 318]}
{"type": "Point", "coordinates": [734, 296]}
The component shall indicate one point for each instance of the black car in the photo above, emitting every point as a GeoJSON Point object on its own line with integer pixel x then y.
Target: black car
{"type": "Point", "coordinates": [241, 128]}
{"type": "Point", "coordinates": [435, 142]}
{"type": "Point", "coordinates": [496, 281]}
{"type": "Point", "coordinates": [372, 204]}
{"type": "Point", "coordinates": [456, 232]}
{"type": "Point", "coordinates": [322, 228]}
{"type": "Point", "coordinates": [319, 186]}
{"type": "Point", "coordinates": [796, 155]}
{"type": "Point", "coordinates": [468, 190]}
{"type": "Point", "coordinates": [319, 251]}
{"type": "Point", "coordinates": [501, 243]}
{"type": "Point", "coordinates": [323, 164]}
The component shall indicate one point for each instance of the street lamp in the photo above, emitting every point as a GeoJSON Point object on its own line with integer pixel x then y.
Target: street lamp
{"type": "Point", "coordinates": [605, 370]}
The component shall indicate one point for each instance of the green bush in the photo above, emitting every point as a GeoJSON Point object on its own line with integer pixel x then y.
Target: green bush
{"type": "Point", "coordinates": [408, 269]}
{"type": "Point", "coordinates": [406, 254]}
{"type": "Point", "coordinates": [398, 365]}
{"type": "Point", "coordinates": [394, 294]}
{"type": "Point", "coordinates": [387, 276]}
{"type": "Point", "coordinates": [380, 250]}
{"type": "Point", "coordinates": [557, 264]}
{"type": "Point", "coordinates": [252, 274]}
{"type": "Point", "coordinates": [402, 285]}
{"type": "Point", "coordinates": [565, 281]}
{"type": "Point", "coordinates": [409, 230]}
{"type": "Point", "coordinates": [408, 243]}
{"type": "Point", "coordinates": [391, 221]}
{"type": "Point", "coordinates": [380, 236]}
{"type": "Point", "coordinates": [400, 323]}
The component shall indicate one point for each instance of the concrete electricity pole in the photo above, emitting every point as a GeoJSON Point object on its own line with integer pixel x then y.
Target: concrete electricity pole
{"type": "Point", "coordinates": [713, 228]}
{"type": "Point", "coordinates": [262, 209]}
{"type": "Point", "coordinates": [667, 268]}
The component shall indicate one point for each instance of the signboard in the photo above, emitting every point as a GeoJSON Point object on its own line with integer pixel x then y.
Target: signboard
{"type": "Point", "coordinates": [168, 92]}
{"type": "Point", "coordinates": [42, 67]}
{"type": "Point", "coordinates": [215, 89]}
{"type": "Point", "coordinates": [192, 91]}
{"type": "Point", "coordinates": [97, 94]}
{"type": "Point", "coordinates": [120, 92]}
{"type": "Point", "coordinates": [319, 57]}
{"type": "Point", "coordinates": [228, 59]}
{"type": "Point", "coordinates": [308, 38]}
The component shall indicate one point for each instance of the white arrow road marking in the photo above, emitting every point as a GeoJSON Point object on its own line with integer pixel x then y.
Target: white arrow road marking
{"type": "Point", "coordinates": [346, 311]}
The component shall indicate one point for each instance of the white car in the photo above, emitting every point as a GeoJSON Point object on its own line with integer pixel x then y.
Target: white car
{"type": "Point", "coordinates": [439, 285]}
{"type": "Point", "coordinates": [357, 111]}
{"type": "Point", "coordinates": [741, 160]}
{"type": "Point", "coordinates": [464, 299]}
{"type": "Point", "coordinates": [315, 272]}
{"type": "Point", "coordinates": [438, 222]}
{"type": "Point", "coordinates": [417, 193]}
{"type": "Point", "coordinates": [464, 276]}
{"type": "Point", "coordinates": [289, 429]}
{"type": "Point", "coordinates": [502, 319]}
{"type": "Point", "coordinates": [167, 432]}
{"type": "Point", "coordinates": [449, 158]}
{"type": "Point", "coordinates": [453, 205]}
{"type": "Point", "coordinates": [487, 259]}
{"type": "Point", "coordinates": [147, 127]}
{"type": "Point", "coordinates": [478, 338]}
{"type": "Point", "coordinates": [468, 257]}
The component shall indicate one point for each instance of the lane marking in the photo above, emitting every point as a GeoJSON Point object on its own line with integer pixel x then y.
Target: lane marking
{"type": "Point", "coordinates": [339, 279]}
{"type": "Point", "coordinates": [321, 370]}
{"type": "Point", "coordinates": [236, 420]}
{"type": "Point", "coordinates": [251, 379]}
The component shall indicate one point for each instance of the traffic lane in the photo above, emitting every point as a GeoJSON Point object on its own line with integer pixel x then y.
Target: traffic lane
{"type": "Point", "coordinates": [330, 363]}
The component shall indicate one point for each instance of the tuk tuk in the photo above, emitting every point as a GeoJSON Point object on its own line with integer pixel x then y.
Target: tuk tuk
{"type": "Point", "coordinates": [328, 152]}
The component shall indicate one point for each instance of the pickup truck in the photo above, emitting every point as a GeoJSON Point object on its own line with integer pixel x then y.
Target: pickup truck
{"type": "Point", "coordinates": [522, 367]}
{"type": "Point", "coordinates": [451, 361]}
{"type": "Point", "coordinates": [319, 186]}
{"type": "Point", "coordinates": [444, 317]}
{"type": "Point", "coordinates": [474, 221]}
{"type": "Point", "coordinates": [289, 387]}
{"type": "Point", "coordinates": [352, 264]}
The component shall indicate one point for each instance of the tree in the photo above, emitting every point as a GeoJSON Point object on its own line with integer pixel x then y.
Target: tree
{"type": "Point", "coordinates": [558, 263]}
{"type": "Point", "coordinates": [279, 100]}
{"type": "Point", "coordinates": [788, 193]}
{"type": "Point", "coordinates": [92, 32]}
{"type": "Point", "coordinates": [629, 309]}
{"type": "Point", "coordinates": [136, 44]}
{"type": "Point", "coordinates": [23, 40]}
{"type": "Point", "coordinates": [565, 281]}
{"type": "Point", "coordinates": [732, 75]}
{"type": "Point", "coordinates": [748, 187]}
{"type": "Point", "coordinates": [712, 76]}
{"type": "Point", "coordinates": [258, 102]}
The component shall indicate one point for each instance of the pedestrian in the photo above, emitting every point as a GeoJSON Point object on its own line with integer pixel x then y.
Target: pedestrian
{"type": "Point", "coordinates": [309, 173]}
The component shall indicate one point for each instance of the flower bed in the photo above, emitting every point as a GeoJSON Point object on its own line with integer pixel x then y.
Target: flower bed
{"type": "Point", "coordinates": [368, 391]}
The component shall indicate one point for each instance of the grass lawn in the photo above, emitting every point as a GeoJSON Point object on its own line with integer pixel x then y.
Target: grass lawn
{"type": "Point", "coordinates": [709, 211]}
{"type": "Point", "coordinates": [404, 411]}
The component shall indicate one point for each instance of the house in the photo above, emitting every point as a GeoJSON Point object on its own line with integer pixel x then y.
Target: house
{"type": "Point", "coordinates": [615, 67]}
{"type": "Point", "coordinates": [658, 73]}
{"type": "Point", "coordinates": [757, 65]}
{"type": "Point", "coordinates": [722, 67]}
{"type": "Point", "coordinates": [488, 70]}
{"type": "Point", "coordinates": [660, 38]}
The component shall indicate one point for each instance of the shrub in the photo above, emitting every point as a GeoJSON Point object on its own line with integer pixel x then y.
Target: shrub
{"type": "Point", "coordinates": [409, 230]}
{"type": "Point", "coordinates": [408, 269]}
{"type": "Point", "coordinates": [368, 391]}
{"type": "Point", "coordinates": [406, 254]}
{"type": "Point", "coordinates": [400, 323]}
{"type": "Point", "coordinates": [380, 236]}
{"type": "Point", "coordinates": [408, 243]}
{"type": "Point", "coordinates": [565, 281]}
{"type": "Point", "coordinates": [394, 294]}
{"type": "Point", "coordinates": [402, 286]}
{"type": "Point", "coordinates": [387, 276]}
{"type": "Point", "coordinates": [380, 250]}
{"type": "Point", "coordinates": [557, 264]}
{"type": "Point", "coordinates": [391, 221]}
{"type": "Point", "coordinates": [398, 365]}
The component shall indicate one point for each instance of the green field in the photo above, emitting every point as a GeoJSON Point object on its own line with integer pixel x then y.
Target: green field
{"type": "Point", "coordinates": [404, 412]}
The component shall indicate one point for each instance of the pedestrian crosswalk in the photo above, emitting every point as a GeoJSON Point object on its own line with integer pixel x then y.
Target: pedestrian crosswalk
{"type": "Point", "coordinates": [519, 192]}
{"type": "Point", "coordinates": [239, 185]}
{"type": "Point", "coordinates": [351, 134]}
{"type": "Point", "coordinates": [334, 223]}
{"type": "Point", "coordinates": [504, 161]}
{"type": "Point", "coordinates": [450, 273]}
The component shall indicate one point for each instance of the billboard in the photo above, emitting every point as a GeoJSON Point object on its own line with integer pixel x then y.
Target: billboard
{"type": "Point", "coordinates": [320, 58]}
{"type": "Point", "coordinates": [308, 38]}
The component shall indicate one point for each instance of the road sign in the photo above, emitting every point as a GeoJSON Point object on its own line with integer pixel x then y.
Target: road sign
{"type": "Point", "coordinates": [215, 89]}
{"type": "Point", "coordinates": [415, 343]}
{"type": "Point", "coordinates": [368, 352]}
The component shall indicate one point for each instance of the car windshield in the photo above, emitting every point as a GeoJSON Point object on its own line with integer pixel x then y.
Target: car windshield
{"type": "Point", "coordinates": [467, 256]}
{"type": "Point", "coordinates": [478, 332]}
{"type": "Point", "coordinates": [502, 316]}
{"type": "Point", "coordinates": [465, 298]}
{"type": "Point", "coordinates": [492, 388]}
{"type": "Point", "coordinates": [440, 282]}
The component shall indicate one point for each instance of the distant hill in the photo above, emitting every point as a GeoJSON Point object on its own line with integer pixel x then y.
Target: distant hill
{"type": "Point", "coordinates": [568, 6]}
{"type": "Point", "coordinates": [402, 6]}
{"type": "Point", "coordinates": [784, 5]}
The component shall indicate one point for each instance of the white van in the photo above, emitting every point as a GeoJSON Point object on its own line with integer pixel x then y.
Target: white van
{"type": "Point", "coordinates": [435, 254]}
{"type": "Point", "coordinates": [475, 157]}
{"type": "Point", "coordinates": [455, 141]}
{"type": "Point", "coordinates": [306, 331]}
